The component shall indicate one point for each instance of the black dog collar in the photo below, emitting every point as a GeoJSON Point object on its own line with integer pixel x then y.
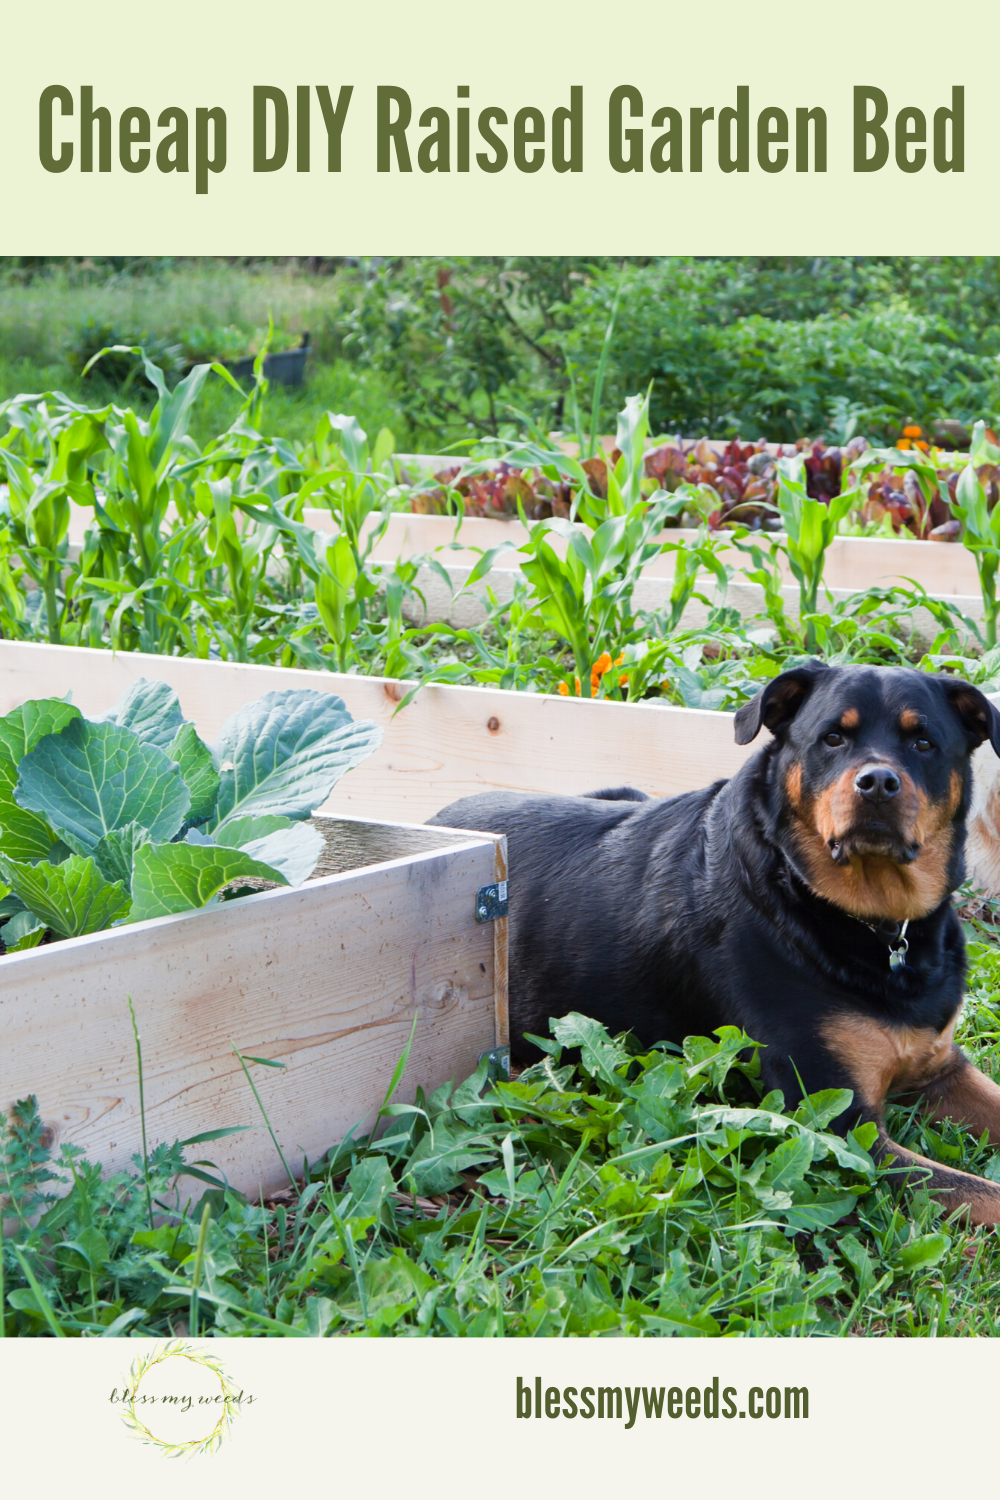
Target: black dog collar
{"type": "Point", "coordinates": [896, 935]}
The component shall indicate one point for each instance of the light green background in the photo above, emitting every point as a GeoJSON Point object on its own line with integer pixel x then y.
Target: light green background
{"type": "Point", "coordinates": [523, 52]}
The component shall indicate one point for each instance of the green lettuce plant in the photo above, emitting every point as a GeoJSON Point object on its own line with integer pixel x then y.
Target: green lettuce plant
{"type": "Point", "coordinates": [131, 815]}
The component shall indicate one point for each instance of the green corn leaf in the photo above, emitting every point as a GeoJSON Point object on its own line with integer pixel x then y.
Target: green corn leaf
{"type": "Point", "coordinates": [171, 878]}
{"type": "Point", "coordinates": [198, 770]}
{"type": "Point", "coordinates": [352, 438]}
{"type": "Point", "coordinates": [285, 753]}
{"type": "Point", "coordinates": [72, 898]}
{"type": "Point", "coordinates": [486, 561]}
{"type": "Point", "coordinates": [93, 778]}
{"type": "Point", "coordinates": [23, 835]}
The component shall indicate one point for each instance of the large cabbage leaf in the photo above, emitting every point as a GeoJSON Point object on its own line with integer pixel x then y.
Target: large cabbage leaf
{"type": "Point", "coordinates": [94, 778]}
{"type": "Point", "coordinates": [150, 709]}
{"type": "Point", "coordinates": [198, 769]}
{"type": "Point", "coordinates": [71, 898]}
{"type": "Point", "coordinates": [24, 835]}
{"type": "Point", "coordinates": [285, 753]}
{"type": "Point", "coordinates": [171, 878]}
{"type": "Point", "coordinates": [293, 850]}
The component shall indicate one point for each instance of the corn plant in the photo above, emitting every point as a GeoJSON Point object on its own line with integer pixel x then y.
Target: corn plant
{"type": "Point", "coordinates": [39, 496]}
{"type": "Point", "coordinates": [981, 527]}
{"type": "Point", "coordinates": [810, 527]}
{"type": "Point", "coordinates": [353, 485]}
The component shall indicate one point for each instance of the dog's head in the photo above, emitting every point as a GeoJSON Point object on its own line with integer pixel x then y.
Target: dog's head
{"type": "Point", "coordinates": [872, 780]}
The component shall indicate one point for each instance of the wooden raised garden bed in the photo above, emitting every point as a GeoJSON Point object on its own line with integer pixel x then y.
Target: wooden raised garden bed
{"type": "Point", "coordinates": [448, 743]}
{"type": "Point", "coordinates": [852, 563]}
{"type": "Point", "coordinates": [326, 978]}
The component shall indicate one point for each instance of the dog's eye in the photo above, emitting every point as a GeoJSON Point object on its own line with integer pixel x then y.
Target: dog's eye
{"type": "Point", "coordinates": [833, 739]}
{"type": "Point", "coordinates": [923, 744]}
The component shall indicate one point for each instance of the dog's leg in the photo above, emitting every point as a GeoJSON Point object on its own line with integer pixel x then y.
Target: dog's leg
{"type": "Point", "coordinates": [960, 1092]}
{"type": "Point", "coordinates": [981, 1199]}
{"type": "Point", "coordinates": [880, 1059]}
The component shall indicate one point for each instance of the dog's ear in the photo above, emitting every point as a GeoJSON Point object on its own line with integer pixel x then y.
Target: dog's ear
{"type": "Point", "coordinates": [776, 705]}
{"type": "Point", "coordinates": [979, 716]}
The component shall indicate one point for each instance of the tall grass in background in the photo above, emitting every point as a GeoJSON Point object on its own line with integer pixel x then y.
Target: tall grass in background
{"type": "Point", "coordinates": [41, 319]}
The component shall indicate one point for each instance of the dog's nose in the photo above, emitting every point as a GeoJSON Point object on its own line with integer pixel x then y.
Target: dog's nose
{"type": "Point", "coordinates": [877, 783]}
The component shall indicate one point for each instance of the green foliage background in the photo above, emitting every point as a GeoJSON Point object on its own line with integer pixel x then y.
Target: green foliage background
{"type": "Point", "coordinates": [444, 349]}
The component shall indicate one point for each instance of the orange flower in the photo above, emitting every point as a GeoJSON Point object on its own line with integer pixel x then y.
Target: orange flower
{"type": "Point", "coordinates": [597, 671]}
{"type": "Point", "coordinates": [913, 432]}
{"type": "Point", "coordinates": [924, 447]}
{"type": "Point", "coordinates": [623, 680]}
{"type": "Point", "coordinates": [903, 444]}
{"type": "Point", "coordinates": [564, 690]}
{"type": "Point", "coordinates": [619, 659]}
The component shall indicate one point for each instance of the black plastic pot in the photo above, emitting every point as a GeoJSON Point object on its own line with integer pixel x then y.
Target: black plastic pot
{"type": "Point", "coordinates": [283, 369]}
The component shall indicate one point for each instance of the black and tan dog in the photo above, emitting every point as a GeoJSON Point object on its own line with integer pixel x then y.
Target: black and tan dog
{"type": "Point", "coordinates": [808, 900]}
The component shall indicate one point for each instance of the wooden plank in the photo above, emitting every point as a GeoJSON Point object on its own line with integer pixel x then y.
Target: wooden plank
{"type": "Point", "coordinates": [326, 979]}
{"type": "Point", "coordinates": [851, 563]}
{"type": "Point", "coordinates": [448, 743]}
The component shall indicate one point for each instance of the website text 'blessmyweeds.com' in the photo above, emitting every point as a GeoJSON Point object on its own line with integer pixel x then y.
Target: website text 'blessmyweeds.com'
{"type": "Point", "coordinates": [628, 1403]}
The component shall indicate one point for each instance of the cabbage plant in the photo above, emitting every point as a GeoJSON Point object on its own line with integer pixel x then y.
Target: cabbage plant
{"type": "Point", "coordinates": [131, 815]}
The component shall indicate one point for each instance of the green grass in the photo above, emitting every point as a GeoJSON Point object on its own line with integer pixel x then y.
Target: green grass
{"type": "Point", "coordinates": [635, 1193]}
{"type": "Point", "coordinates": [40, 320]}
{"type": "Point", "coordinates": [39, 317]}
{"type": "Point", "coordinates": [290, 413]}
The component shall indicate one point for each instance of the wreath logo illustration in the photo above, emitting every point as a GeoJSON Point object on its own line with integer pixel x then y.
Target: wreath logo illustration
{"type": "Point", "coordinates": [209, 1442]}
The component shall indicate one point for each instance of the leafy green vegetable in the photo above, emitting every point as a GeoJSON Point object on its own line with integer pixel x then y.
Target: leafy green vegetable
{"type": "Point", "coordinates": [285, 753]}
{"type": "Point", "coordinates": [24, 930]}
{"type": "Point", "coordinates": [115, 852]}
{"type": "Point", "coordinates": [151, 710]}
{"type": "Point", "coordinates": [171, 878]}
{"type": "Point", "coordinates": [197, 769]}
{"type": "Point", "coordinates": [293, 850]}
{"type": "Point", "coordinates": [93, 778]}
{"type": "Point", "coordinates": [240, 829]}
{"type": "Point", "coordinates": [103, 809]}
{"type": "Point", "coordinates": [24, 835]}
{"type": "Point", "coordinates": [72, 898]}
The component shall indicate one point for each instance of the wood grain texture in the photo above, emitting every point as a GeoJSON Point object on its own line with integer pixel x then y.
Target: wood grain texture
{"type": "Point", "coordinates": [448, 743]}
{"type": "Point", "coordinates": [851, 562]}
{"type": "Point", "coordinates": [326, 979]}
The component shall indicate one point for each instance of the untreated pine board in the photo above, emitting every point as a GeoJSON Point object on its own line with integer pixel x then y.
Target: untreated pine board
{"type": "Point", "coordinates": [448, 743]}
{"type": "Point", "coordinates": [851, 562]}
{"type": "Point", "coordinates": [326, 979]}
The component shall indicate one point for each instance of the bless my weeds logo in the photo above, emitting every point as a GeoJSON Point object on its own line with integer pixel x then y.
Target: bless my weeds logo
{"type": "Point", "coordinates": [180, 1399]}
